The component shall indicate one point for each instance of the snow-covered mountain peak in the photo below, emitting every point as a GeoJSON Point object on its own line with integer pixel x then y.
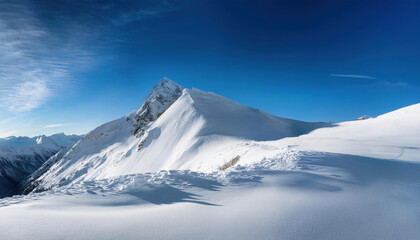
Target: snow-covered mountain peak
{"type": "Point", "coordinates": [162, 96]}
{"type": "Point", "coordinates": [199, 131]}
{"type": "Point", "coordinates": [164, 88]}
{"type": "Point", "coordinates": [202, 131]}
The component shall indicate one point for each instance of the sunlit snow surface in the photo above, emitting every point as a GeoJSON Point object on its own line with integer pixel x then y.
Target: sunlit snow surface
{"type": "Point", "coordinates": [210, 168]}
{"type": "Point", "coordinates": [305, 195]}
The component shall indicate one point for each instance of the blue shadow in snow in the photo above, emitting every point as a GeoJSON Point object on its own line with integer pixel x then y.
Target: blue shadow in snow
{"type": "Point", "coordinates": [365, 170]}
{"type": "Point", "coordinates": [331, 172]}
{"type": "Point", "coordinates": [166, 194]}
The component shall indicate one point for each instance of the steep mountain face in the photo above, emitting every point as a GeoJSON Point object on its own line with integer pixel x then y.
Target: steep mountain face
{"type": "Point", "coordinates": [175, 128]}
{"type": "Point", "coordinates": [162, 96]}
{"type": "Point", "coordinates": [21, 156]}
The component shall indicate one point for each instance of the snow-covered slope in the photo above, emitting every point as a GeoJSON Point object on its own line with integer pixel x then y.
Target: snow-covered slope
{"type": "Point", "coordinates": [394, 136]}
{"type": "Point", "coordinates": [229, 172]}
{"type": "Point", "coordinates": [21, 156]}
{"type": "Point", "coordinates": [196, 130]}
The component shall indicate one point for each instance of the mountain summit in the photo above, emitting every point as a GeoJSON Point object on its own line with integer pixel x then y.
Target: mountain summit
{"type": "Point", "coordinates": [162, 96]}
{"type": "Point", "coordinates": [175, 128]}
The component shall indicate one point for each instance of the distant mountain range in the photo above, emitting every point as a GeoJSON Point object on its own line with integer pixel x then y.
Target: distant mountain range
{"type": "Point", "coordinates": [21, 156]}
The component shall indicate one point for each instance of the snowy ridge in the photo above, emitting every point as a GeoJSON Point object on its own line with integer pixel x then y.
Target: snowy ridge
{"type": "Point", "coordinates": [204, 132]}
{"type": "Point", "coordinates": [115, 133]}
{"type": "Point", "coordinates": [394, 135]}
{"type": "Point", "coordinates": [199, 131]}
{"type": "Point", "coordinates": [59, 139]}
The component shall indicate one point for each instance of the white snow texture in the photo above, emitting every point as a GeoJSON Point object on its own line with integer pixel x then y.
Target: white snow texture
{"type": "Point", "coordinates": [190, 164]}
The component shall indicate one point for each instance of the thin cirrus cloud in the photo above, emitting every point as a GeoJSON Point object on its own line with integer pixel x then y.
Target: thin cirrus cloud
{"type": "Point", "coordinates": [351, 76]}
{"type": "Point", "coordinates": [27, 94]}
{"type": "Point", "coordinates": [387, 84]}
{"type": "Point", "coordinates": [54, 125]}
{"type": "Point", "coordinates": [39, 56]}
{"type": "Point", "coordinates": [35, 61]}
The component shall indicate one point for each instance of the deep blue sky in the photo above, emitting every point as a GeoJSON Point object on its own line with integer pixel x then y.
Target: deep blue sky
{"type": "Point", "coordinates": [72, 65]}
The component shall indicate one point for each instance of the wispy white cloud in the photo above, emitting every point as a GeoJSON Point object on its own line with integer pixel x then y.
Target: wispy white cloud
{"type": "Point", "coordinates": [35, 62]}
{"type": "Point", "coordinates": [54, 125]}
{"type": "Point", "coordinates": [351, 76]}
{"type": "Point", "coordinates": [388, 84]}
{"type": "Point", "coordinates": [28, 95]}
{"type": "Point", "coordinates": [39, 56]}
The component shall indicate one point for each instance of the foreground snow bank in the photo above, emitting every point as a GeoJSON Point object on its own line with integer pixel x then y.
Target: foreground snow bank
{"type": "Point", "coordinates": [325, 196]}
